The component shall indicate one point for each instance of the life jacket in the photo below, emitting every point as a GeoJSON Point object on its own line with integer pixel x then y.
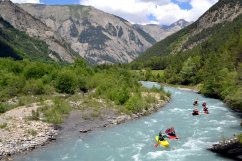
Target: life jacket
{"type": "Point", "coordinates": [195, 111]}
{"type": "Point", "coordinates": [168, 131]}
{"type": "Point", "coordinates": [161, 137]}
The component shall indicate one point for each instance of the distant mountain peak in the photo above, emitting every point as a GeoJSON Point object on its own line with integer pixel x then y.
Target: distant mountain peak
{"type": "Point", "coordinates": [181, 22]}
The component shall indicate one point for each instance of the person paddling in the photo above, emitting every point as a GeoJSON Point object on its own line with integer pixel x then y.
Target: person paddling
{"type": "Point", "coordinates": [205, 109]}
{"type": "Point", "coordinates": [170, 131]}
{"type": "Point", "coordinates": [195, 112]}
{"type": "Point", "coordinates": [195, 103]}
{"type": "Point", "coordinates": [162, 136]}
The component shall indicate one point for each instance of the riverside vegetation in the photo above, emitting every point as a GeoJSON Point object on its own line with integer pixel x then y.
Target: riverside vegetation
{"type": "Point", "coordinates": [35, 98]}
{"type": "Point", "coordinates": [28, 82]}
{"type": "Point", "coordinates": [214, 62]}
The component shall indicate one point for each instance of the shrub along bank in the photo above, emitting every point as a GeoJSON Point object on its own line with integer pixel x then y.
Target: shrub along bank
{"type": "Point", "coordinates": [28, 82]}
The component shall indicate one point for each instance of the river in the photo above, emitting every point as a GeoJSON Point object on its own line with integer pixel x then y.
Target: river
{"type": "Point", "coordinates": [134, 141]}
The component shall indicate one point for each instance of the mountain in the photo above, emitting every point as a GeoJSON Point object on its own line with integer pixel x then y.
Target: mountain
{"type": "Point", "coordinates": [180, 24]}
{"type": "Point", "coordinates": [22, 21]}
{"type": "Point", "coordinates": [200, 31]}
{"type": "Point", "coordinates": [75, 31]}
{"type": "Point", "coordinates": [207, 52]}
{"type": "Point", "coordinates": [19, 45]}
{"type": "Point", "coordinates": [160, 32]}
{"type": "Point", "coordinates": [97, 36]}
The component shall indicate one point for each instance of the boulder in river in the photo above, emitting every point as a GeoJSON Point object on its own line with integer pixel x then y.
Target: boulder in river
{"type": "Point", "coordinates": [230, 148]}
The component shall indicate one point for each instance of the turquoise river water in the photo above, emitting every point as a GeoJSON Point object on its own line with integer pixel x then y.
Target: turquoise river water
{"type": "Point", "coordinates": [134, 141]}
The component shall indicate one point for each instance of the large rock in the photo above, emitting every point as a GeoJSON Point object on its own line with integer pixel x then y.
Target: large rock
{"type": "Point", "coordinates": [229, 148]}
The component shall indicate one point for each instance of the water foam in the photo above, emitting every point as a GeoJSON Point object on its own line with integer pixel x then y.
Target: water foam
{"type": "Point", "coordinates": [66, 157]}
{"type": "Point", "coordinates": [177, 110]}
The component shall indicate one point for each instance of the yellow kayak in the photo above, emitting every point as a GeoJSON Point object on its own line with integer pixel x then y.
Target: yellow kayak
{"type": "Point", "coordinates": [164, 143]}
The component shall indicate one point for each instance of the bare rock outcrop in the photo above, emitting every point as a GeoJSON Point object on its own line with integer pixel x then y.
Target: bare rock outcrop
{"type": "Point", "coordinates": [230, 148]}
{"type": "Point", "coordinates": [24, 21]}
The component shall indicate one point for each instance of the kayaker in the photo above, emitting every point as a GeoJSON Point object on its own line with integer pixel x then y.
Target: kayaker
{"type": "Point", "coordinates": [170, 131]}
{"type": "Point", "coordinates": [205, 109]}
{"type": "Point", "coordinates": [204, 104]}
{"type": "Point", "coordinates": [195, 103]}
{"type": "Point", "coordinates": [162, 136]}
{"type": "Point", "coordinates": [195, 112]}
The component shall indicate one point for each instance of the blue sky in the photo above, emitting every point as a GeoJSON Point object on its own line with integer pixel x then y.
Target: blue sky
{"type": "Point", "coordinates": [183, 4]}
{"type": "Point", "coordinates": [53, 2]}
{"type": "Point", "coordinates": [162, 12]}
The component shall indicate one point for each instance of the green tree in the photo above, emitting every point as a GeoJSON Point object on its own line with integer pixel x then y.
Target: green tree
{"type": "Point", "coordinates": [66, 82]}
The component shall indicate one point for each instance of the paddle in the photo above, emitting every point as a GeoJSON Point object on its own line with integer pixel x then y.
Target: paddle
{"type": "Point", "coordinates": [156, 145]}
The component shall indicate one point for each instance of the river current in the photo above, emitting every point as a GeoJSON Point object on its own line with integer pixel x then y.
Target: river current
{"type": "Point", "coordinates": [134, 141]}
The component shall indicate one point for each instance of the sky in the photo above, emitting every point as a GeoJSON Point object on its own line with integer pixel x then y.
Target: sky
{"type": "Point", "coordinates": [163, 12]}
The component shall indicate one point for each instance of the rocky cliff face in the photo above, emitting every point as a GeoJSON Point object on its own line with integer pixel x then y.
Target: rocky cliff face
{"type": "Point", "coordinates": [97, 36]}
{"type": "Point", "coordinates": [224, 10]}
{"type": "Point", "coordinates": [23, 21]}
{"type": "Point", "coordinates": [160, 32]}
{"type": "Point", "coordinates": [81, 31]}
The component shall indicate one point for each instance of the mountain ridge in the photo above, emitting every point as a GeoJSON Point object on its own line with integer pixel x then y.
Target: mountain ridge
{"type": "Point", "coordinates": [160, 32]}
{"type": "Point", "coordinates": [23, 21]}
{"type": "Point", "coordinates": [75, 31]}
{"type": "Point", "coordinates": [97, 36]}
{"type": "Point", "coordinates": [195, 33]}
{"type": "Point", "coordinates": [205, 54]}
{"type": "Point", "coordinates": [116, 40]}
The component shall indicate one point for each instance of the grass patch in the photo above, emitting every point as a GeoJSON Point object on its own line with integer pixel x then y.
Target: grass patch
{"type": "Point", "coordinates": [54, 113]}
{"type": "Point", "coordinates": [150, 99]}
{"type": "Point", "coordinates": [156, 72]}
{"type": "Point", "coordinates": [3, 125]}
{"type": "Point", "coordinates": [32, 132]}
{"type": "Point", "coordinates": [85, 116]}
{"type": "Point", "coordinates": [240, 138]}
{"type": "Point", "coordinates": [34, 115]}
{"type": "Point", "coordinates": [96, 113]}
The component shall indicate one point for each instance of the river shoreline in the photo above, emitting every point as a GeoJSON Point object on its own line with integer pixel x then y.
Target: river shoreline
{"type": "Point", "coordinates": [18, 133]}
{"type": "Point", "coordinates": [75, 125]}
{"type": "Point", "coordinates": [230, 148]}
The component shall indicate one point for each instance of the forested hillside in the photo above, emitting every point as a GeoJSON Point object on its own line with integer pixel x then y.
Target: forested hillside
{"type": "Point", "coordinates": [208, 53]}
{"type": "Point", "coordinates": [17, 44]}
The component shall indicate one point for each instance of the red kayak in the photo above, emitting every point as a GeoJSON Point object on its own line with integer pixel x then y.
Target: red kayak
{"type": "Point", "coordinates": [172, 137]}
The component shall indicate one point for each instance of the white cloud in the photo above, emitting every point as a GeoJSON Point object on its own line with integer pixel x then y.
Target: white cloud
{"type": "Point", "coordinates": [164, 11]}
{"type": "Point", "coordinates": [199, 7]}
{"type": "Point", "coordinates": [157, 2]}
{"type": "Point", "coordinates": [25, 1]}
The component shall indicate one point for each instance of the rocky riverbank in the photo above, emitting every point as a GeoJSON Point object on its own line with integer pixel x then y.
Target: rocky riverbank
{"type": "Point", "coordinates": [19, 134]}
{"type": "Point", "coordinates": [79, 122]}
{"type": "Point", "coordinates": [230, 148]}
